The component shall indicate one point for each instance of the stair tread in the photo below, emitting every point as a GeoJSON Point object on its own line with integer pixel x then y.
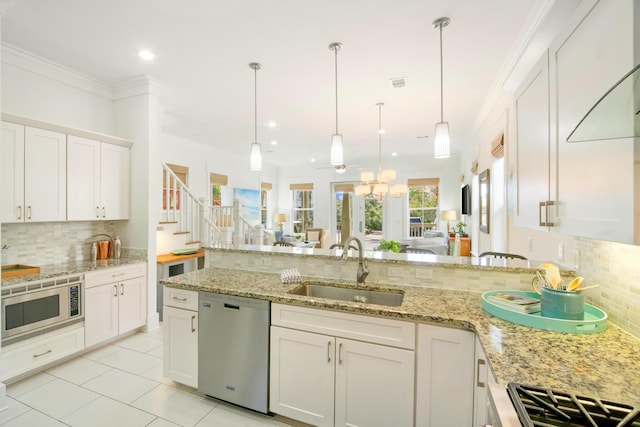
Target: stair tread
{"type": "Point", "coordinates": [168, 222]}
{"type": "Point", "coordinates": [181, 232]}
{"type": "Point", "coordinates": [192, 243]}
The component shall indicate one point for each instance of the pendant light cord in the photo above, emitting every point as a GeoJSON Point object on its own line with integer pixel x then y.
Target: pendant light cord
{"type": "Point", "coordinates": [441, 80]}
{"type": "Point", "coordinates": [380, 142]}
{"type": "Point", "coordinates": [335, 50]}
{"type": "Point", "coordinates": [255, 100]}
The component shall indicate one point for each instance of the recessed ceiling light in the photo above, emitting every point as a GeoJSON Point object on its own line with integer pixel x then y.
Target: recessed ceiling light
{"type": "Point", "coordinates": [145, 54]}
{"type": "Point", "coordinates": [394, 154]}
{"type": "Point", "coordinates": [274, 142]}
{"type": "Point", "coordinates": [271, 124]}
{"type": "Point", "coordinates": [381, 131]}
{"type": "Point", "coordinates": [313, 160]}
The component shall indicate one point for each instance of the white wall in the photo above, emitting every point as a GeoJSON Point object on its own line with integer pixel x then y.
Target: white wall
{"type": "Point", "coordinates": [33, 87]}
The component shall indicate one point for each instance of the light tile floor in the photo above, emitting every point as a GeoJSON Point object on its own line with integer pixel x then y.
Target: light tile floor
{"type": "Point", "coordinates": [120, 384]}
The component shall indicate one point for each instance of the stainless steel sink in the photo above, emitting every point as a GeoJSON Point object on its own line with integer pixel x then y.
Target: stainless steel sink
{"type": "Point", "coordinates": [390, 298]}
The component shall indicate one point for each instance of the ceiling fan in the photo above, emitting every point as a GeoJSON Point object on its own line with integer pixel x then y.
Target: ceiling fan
{"type": "Point", "coordinates": [338, 168]}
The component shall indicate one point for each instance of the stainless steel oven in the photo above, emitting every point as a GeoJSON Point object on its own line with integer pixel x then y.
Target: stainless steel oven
{"type": "Point", "coordinates": [31, 308]}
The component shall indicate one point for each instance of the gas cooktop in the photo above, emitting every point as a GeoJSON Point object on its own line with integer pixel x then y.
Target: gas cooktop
{"type": "Point", "coordinates": [543, 407]}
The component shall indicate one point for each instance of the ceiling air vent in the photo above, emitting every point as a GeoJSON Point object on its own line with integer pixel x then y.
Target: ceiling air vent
{"type": "Point", "coordinates": [398, 82]}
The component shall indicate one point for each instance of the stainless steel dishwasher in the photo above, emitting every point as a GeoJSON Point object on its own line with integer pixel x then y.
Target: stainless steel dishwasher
{"type": "Point", "coordinates": [233, 350]}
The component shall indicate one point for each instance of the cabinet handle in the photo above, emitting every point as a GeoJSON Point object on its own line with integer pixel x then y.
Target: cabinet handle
{"type": "Point", "coordinates": [19, 212]}
{"type": "Point", "coordinates": [478, 382]}
{"type": "Point", "coordinates": [28, 212]}
{"type": "Point", "coordinates": [97, 211]}
{"type": "Point", "coordinates": [179, 299]}
{"type": "Point", "coordinates": [547, 213]}
{"type": "Point", "coordinates": [193, 328]}
{"type": "Point", "coordinates": [115, 290]}
{"type": "Point", "coordinates": [42, 354]}
{"type": "Point", "coordinates": [328, 351]}
{"type": "Point", "coordinates": [121, 288]}
{"type": "Point", "coordinates": [119, 274]}
{"type": "Point", "coordinates": [104, 212]}
{"type": "Point", "coordinates": [340, 354]}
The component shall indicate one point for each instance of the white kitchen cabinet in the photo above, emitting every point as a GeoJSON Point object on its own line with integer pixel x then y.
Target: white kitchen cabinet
{"type": "Point", "coordinates": [596, 178]}
{"type": "Point", "coordinates": [180, 332]}
{"type": "Point", "coordinates": [582, 188]}
{"type": "Point", "coordinates": [533, 149]}
{"type": "Point", "coordinates": [444, 376]}
{"type": "Point", "coordinates": [25, 356]}
{"type": "Point", "coordinates": [115, 302]}
{"type": "Point", "coordinates": [482, 377]}
{"type": "Point", "coordinates": [328, 380]}
{"type": "Point", "coordinates": [97, 180]}
{"type": "Point", "coordinates": [34, 174]}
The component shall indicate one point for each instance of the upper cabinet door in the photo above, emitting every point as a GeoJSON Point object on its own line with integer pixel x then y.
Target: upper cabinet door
{"type": "Point", "coordinates": [533, 146]}
{"type": "Point", "coordinates": [114, 181]}
{"type": "Point", "coordinates": [12, 173]}
{"type": "Point", "coordinates": [45, 175]}
{"type": "Point", "coordinates": [98, 180]}
{"type": "Point", "coordinates": [595, 179]}
{"type": "Point", "coordinates": [83, 179]}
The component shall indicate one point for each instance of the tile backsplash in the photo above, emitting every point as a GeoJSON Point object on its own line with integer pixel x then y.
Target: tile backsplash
{"type": "Point", "coordinates": [50, 242]}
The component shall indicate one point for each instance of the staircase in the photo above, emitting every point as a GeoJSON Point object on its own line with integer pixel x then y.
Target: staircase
{"type": "Point", "coordinates": [201, 223]}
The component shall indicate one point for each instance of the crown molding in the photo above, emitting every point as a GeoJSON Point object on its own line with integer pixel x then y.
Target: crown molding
{"type": "Point", "coordinates": [27, 61]}
{"type": "Point", "coordinates": [138, 85]}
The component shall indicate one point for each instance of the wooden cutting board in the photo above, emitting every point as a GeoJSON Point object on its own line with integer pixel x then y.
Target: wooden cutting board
{"type": "Point", "coordinates": [14, 270]}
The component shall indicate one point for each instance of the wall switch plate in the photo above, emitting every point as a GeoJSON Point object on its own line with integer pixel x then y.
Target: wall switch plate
{"type": "Point", "coordinates": [560, 252]}
{"type": "Point", "coordinates": [576, 259]}
{"type": "Point", "coordinates": [265, 261]}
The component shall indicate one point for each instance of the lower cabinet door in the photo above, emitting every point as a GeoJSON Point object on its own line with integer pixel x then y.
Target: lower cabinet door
{"type": "Point", "coordinates": [444, 392]}
{"type": "Point", "coordinates": [101, 313]}
{"type": "Point", "coordinates": [132, 303]}
{"type": "Point", "coordinates": [302, 376]}
{"type": "Point", "coordinates": [180, 346]}
{"type": "Point", "coordinates": [374, 385]}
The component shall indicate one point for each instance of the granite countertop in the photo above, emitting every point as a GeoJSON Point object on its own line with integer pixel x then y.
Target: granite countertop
{"type": "Point", "coordinates": [604, 365]}
{"type": "Point", "coordinates": [73, 267]}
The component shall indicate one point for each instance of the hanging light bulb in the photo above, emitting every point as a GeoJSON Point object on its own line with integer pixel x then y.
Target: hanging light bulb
{"type": "Point", "coordinates": [337, 152]}
{"type": "Point", "coordinates": [442, 141]}
{"type": "Point", "coordinates": [255, 157]}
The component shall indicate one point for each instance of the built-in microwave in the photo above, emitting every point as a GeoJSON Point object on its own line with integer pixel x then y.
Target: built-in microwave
{"type": "Point", "coordinates": [30, 308]}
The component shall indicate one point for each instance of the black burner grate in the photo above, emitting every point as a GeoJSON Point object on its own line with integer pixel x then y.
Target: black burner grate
{"type": "Point", "coordinates": [546, 408]}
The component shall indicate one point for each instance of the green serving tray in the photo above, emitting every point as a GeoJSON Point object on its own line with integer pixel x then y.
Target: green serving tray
{"type": "Point", "coordinates": [595, 320]}
{"type": "Point", "coordinates": [184, 251]}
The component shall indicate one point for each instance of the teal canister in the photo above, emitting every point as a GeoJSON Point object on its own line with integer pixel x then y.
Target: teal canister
{"type": "Point", "coordinates": [558, 304]}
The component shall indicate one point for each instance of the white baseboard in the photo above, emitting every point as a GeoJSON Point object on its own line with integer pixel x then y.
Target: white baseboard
{"type": "Point", "coordinates": [3, 397]}
{"type": "Point", "coordinates": [153, 322]}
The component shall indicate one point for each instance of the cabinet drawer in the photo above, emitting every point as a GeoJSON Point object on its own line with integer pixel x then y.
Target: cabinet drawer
{"type": "Point", "coordinates": [375, 330]}
{"type": "Point", "coordinates": [22, 357]}
{"type": "Point", "coordinates": [114, 274]}
{"type": "Point", "coordinates": [180, 298]}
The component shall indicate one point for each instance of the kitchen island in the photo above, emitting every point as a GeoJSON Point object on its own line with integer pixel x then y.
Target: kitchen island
{"type": "Point", "coordinates": [603, 365]}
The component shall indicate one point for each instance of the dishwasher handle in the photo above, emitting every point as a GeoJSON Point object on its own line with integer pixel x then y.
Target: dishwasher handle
{"type": "Point", "coordinates": [231, 306]}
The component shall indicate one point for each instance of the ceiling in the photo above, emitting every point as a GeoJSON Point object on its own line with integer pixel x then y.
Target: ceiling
{"type": "Point", "coordinates": [203, 48]}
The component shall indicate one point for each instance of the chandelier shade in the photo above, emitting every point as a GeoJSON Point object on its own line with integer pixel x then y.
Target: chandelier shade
{"type": "Point", "coordinates": [442, 142]}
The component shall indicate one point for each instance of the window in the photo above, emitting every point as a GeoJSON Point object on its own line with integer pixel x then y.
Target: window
{"type": "Point", "coordinates": [265, 196]}
{"type": "Point", "coordinates": [423, 205]}
{"type": "Point", "coordinates": [217, 183]}
{"type": "Point", "coordinates": [302, 212]}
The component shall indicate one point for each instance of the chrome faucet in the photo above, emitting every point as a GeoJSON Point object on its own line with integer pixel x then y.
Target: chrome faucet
{"type": "Point", "coordinates": [363, 271]}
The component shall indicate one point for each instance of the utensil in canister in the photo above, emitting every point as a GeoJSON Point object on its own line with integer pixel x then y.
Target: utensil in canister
{"type": "Point", "coordinates": [575, 284]}
{"type": "Point", "coordinates": [552, 273]}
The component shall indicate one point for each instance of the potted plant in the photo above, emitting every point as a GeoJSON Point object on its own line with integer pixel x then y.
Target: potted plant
{"type": "Point", "coordinates": [459, 229]}
{"type": "Point", "coordinates": [389, 245]}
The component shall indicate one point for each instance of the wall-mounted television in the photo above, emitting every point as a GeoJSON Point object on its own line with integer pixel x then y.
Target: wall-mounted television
{"type": "Point", "coordinates": [465, 205]}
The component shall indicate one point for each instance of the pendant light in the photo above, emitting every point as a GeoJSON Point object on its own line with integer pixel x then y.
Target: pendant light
{"type": "Point", "coordinates": [442, 141]}
{"type": "Point", "coordinates": [255, 158]}
{"type": "Point", "coordinates": [380, 188]}
{"type": "Point", "coordinates": [337, 153]}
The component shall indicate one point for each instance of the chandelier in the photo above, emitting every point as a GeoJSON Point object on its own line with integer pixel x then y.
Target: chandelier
{"type": "Point", "coordinates": [380, 188]}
